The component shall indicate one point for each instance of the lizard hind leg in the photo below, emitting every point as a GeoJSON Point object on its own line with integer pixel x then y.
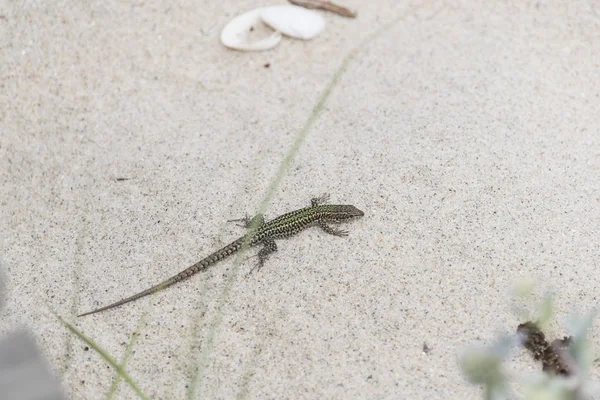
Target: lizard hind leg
{"type": "Point", "coordinates": [264, 253]}
{"type": "Point", "coordinates": [248, 222]}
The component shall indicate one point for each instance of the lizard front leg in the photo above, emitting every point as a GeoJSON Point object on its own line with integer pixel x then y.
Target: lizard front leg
{"type": "Point", "coordinates": [332, 231]}
{"type": "Point", "coordinates": [315, 201]}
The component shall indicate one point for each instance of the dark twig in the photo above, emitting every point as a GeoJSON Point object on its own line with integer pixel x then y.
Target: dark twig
{"type": "Point", "coordinates": [324, 5]}
{"type": "Point", "coordinates": [555, 359]}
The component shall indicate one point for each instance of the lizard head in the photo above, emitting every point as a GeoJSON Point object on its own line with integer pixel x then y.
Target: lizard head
{"type": "Point", "coordinates": [344, 212]}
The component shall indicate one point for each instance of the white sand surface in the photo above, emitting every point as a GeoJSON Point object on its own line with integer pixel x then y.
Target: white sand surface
{"type": "Point", "coordinates": [469, 133]}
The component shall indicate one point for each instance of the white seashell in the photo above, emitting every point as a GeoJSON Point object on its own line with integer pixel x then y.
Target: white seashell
{"type": "Point", "coordinates": [293, 21]}
{"type": "Point", "coordinates": [237, 34]}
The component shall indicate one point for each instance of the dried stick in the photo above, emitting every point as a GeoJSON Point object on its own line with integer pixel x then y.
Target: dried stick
{"type": "Point", "coordinates": [325, 5]}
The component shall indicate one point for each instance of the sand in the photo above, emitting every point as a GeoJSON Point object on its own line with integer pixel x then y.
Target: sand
{"type": "Point", "coordinates": [468, 133]}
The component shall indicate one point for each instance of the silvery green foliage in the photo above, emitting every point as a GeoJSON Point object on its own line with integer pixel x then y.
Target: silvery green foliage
{"type": "Point", "coordinates": [580, 350]}
{"type": "Point", "coordinates": [544, 387]}
{"type": "Point", "coordinates": [580, 357]}
{"type": "Point", "coordinates": [525, 307]}
{"type": "Point", "coordinates": [483, 366]}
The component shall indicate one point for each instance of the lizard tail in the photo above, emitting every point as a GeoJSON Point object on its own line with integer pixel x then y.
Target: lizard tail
{"type": "Point", "coordinates": [200, 265]}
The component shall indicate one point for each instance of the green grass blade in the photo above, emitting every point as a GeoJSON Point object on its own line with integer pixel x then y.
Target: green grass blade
{"type": "Point", "coordinates": [128, 349]}
{"type": "Point", "coordinates": [104, 354]}
{"type": "Point", "coordinates": [275, 182]}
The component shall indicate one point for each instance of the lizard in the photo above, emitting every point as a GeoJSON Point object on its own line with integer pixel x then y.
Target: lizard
{"type": "Point", "coordinates": [261, 233]}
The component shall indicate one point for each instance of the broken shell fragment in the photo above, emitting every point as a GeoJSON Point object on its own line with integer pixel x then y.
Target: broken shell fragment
{"type": "Point", "coordinates": [241, 32]}
{"type": "Point", "coordinates": [293, 21]}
